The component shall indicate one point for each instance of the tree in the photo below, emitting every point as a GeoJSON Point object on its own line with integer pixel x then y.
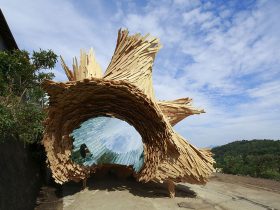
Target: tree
{"type": "Point", "coordinates": [21, 97]}
{"type": "Point", "coordinates": [257, 158]}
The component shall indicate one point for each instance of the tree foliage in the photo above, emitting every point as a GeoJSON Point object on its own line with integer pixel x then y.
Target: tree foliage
{"type": "Point", "coordinates": [21, 97]}
{"type": "Point", "coordinates": [257, 158]}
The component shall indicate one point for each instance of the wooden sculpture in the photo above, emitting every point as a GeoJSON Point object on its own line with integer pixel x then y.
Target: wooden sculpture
{"type": "Point", "coordinates": [125, 91]}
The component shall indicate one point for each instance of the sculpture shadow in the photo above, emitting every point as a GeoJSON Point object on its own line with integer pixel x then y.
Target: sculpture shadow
{"type": "Point", "coordinates": [111, 183]}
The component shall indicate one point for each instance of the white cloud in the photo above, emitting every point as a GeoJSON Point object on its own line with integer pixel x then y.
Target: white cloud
{"type": "Point", "coordinates": [227, 60]}
{"type": "Point", "coordinates": [225, 52]}
{"type": "Point", "coordinates": [60, 26]}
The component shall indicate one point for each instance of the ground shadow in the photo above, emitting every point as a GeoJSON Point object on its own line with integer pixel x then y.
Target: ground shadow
{"type": "Point", "coordinates": [51, 196]}
{"type": "Point", "coordinates": [110, 182]}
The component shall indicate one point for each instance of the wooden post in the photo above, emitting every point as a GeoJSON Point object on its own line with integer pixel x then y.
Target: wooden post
{"type": "Point", "coordinates": [171, 188]}
{"type": "Point", "coordinates": [84, 183]}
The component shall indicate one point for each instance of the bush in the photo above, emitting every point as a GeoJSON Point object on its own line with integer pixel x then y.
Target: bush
{"type": "Point", "coordinates": [22, 99]}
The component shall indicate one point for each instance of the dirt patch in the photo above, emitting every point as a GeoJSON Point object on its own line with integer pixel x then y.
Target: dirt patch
{"type": "Point", "coordinates": [265, 184]}
{"type": "Point", "coordinates": [221, 192]}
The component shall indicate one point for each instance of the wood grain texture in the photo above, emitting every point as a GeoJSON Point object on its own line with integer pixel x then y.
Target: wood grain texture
{"type": "Point", "coordinates": [124, 92]}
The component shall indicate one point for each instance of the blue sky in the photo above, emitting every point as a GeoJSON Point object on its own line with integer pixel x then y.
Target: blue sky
{"type": "Point", "coordinates": [223, 54]}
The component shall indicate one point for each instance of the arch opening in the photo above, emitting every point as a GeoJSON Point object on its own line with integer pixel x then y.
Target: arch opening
{"type": "Point", "coordinates": [107, 140]}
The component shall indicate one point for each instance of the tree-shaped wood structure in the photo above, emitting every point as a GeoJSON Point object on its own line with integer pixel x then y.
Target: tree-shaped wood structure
{"type": "Point", "coordinates": [125, 91]}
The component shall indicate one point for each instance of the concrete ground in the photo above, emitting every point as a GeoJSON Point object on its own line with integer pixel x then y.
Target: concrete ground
{"type": "Point", "coordinates": [221, 192]}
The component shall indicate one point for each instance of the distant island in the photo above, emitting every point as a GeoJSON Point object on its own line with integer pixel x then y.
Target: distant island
{"type": "Point", "coordinates": [256, 158]}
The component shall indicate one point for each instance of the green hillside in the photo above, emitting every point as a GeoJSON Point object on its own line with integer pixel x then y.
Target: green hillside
{"type": "Point", "coordinates": [257, 158]}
